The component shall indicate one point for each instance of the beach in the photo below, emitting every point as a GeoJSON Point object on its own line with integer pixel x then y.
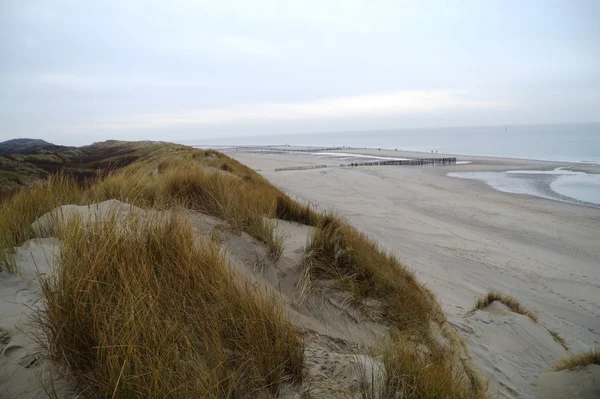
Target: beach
{"type": "Point", "coordinates": [463, 238]}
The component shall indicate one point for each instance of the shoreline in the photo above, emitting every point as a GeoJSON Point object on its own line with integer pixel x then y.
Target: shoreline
{"type": "Point", "coordinates": [497, 173]}
{"type": "Point", "coordinates": [369, 150]}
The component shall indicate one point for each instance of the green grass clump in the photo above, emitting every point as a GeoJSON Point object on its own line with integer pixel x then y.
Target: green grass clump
{"type": "Point", "coordinates": [140, 309]}
{"type": "Point", "coordinates": [576, 360]}
{"type": "Point", "coordinates": [509, 301]}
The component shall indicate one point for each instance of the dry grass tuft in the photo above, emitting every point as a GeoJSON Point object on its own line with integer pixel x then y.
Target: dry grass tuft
{"type": "Point", "coordinates": [338, 251]}
{"type": "Point", "coordinates": [264, 230]}
{"type": "Point", "coordinates": [576, 360]}
{"type": "Point", "coordinates": [142, 310]}
{"type": "Point", "coordinates": [560, 340]}
{"type": "Point", "coordinates": [24, 207]}
{"type": "Point", "coordinates": [509, 301]}
{"type": "Point", "coordinates": [410, 374]}
{"type": "Point", "coordinates": [288, 209]}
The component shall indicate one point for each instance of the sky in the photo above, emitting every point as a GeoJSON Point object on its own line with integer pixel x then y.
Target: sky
{"type": "Point", "coordinates": [75, 72]}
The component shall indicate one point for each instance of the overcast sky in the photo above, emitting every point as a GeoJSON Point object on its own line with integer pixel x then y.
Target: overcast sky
{"type": "Point", "coordinates": [74, 72]}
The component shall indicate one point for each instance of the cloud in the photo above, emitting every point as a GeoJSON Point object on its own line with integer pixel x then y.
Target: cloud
{"type": "Point", "coordinates": [246, 45]}
{"type": "Point", "coordinates": [66, 80]}
{"type": "Point", "coordinates": [396, 103]}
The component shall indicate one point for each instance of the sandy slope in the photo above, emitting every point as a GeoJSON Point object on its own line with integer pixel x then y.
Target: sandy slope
{"type": "Point", "coordinates": [463, 238]}
{"type": "Point", "coordinates": [24, 372]}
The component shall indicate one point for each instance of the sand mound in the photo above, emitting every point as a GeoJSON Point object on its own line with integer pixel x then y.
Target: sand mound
{"type": "Point", "coordinates": [583, 383]}
{"type": "Point", "coordinates": [509, 348]}
{"type": "Point", "coordinates": [212, 169]}
{"type": "Point", "coordinates": [43, 227]}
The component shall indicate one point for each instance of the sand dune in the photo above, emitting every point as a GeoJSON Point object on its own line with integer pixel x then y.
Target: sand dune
{"type": "Point", "coordinates": [337, 336]}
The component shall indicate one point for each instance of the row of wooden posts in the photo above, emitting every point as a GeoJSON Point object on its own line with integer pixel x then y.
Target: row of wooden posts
{"type": "Point", "coordinates": [408, 162]}
{"type": "Point", "coordinates": [301, 167]}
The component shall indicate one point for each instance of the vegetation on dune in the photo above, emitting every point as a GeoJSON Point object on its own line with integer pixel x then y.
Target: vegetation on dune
{"type": "Point", "coordinates": [21, 164]}
{"type": "Point", "coordinates": [159, 316]}
{"type": "Point", "coordinates": [509, 301]}
{"type": "Point", "coordinates": [576, 360]}
{"type": "Point", "coordinates": [24, 207]}
{"type": "Point", "coordinates": [288, 209]}
{"type": "Point", "coordinates": [183, 180]}
{"type": "Point", "coordinates": [560, 340]}
{"type": "Point", "coordinates": [362, 269]}
{"type": "Point", "coordinates": [409, 373]}
{"type": "Point", "coordinates": [338, 251]}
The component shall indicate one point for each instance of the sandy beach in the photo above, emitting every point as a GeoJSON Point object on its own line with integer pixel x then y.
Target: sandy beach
{"type": "Point", "coordinates": [463, 238]}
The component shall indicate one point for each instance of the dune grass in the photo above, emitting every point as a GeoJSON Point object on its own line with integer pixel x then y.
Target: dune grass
{"type": "Point", "coordinates": [359, 267]}
{"type": "Point", "coordinates": [182, 181]}
{"type": "Point", "coordinates": [576, 360]}
{"type": "Point", "coordinates": [24, 207]}
{"type": "Point", "coordinates": [509, 301]}
{"type": "Point", "coordinates": [411, 374]}
{"type": "Point", "coordinates": [338, 251]}
{"type": "Point", "coordinates": [559, 340]}
{"type": "Point", "coordinates": [288, 209]}
{"type": "Point", "coordinates": [142, 310]}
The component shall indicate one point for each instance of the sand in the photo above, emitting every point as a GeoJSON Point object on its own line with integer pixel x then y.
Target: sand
{"type": "Point", "coordinates": [463, 238]}
{"type": "Point", "coordinates": [24, 370]}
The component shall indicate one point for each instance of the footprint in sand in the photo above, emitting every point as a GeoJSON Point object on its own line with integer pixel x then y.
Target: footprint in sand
{"type": "Point", "coordinates": [30, 360]}
{"type": "Point", "coordinates": [12, 351]}
{"type": "Point", "coordinates": [4, 339]}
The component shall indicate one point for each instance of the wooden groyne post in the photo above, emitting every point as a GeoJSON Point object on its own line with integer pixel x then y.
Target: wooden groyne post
{"type": "Point", "coordinates": [406, 162]}
{"type": "Point", "coordinates": [300, 168]}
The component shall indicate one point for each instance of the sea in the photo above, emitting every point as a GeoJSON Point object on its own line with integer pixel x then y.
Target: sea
{"type": "Point", "coordinates": [576, 142]}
